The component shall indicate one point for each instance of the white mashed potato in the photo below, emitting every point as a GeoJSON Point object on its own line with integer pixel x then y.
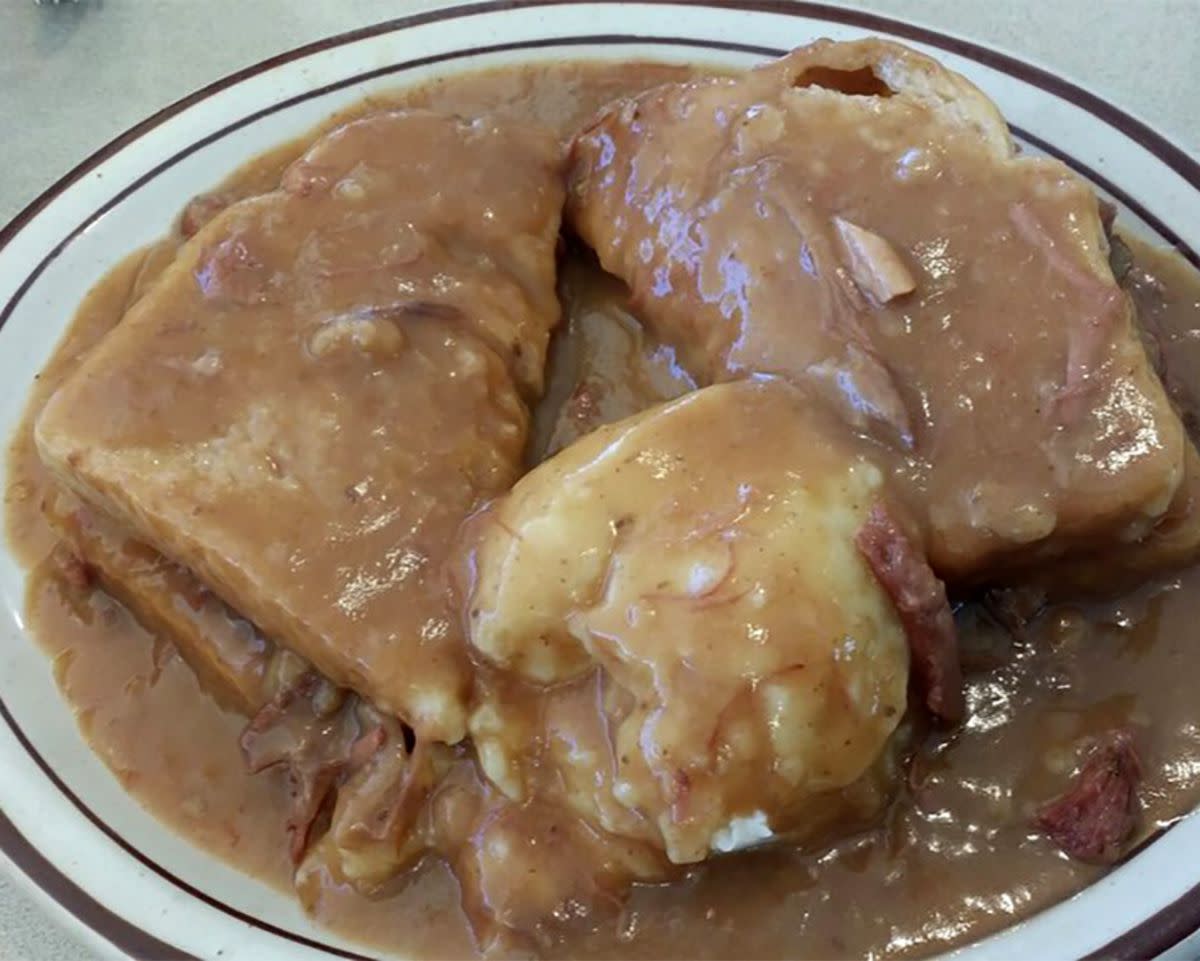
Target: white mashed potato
{"type": "Point", "coordinates": [692, 651]}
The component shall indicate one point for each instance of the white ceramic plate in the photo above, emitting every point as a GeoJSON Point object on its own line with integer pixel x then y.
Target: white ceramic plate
{"type": "Point", "coordinates": [129, 884]}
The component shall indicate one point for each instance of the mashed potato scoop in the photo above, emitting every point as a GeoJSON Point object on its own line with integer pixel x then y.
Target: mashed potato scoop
{"type": "Point", "coordinates": [694, 571]}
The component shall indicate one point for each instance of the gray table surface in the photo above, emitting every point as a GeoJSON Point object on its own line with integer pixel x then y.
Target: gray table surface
{"type": "Point", "coordinates": [73, 75]}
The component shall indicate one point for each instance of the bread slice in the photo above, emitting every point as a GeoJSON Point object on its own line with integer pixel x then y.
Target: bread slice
{"type": "Point", "coordinates": [856, 218]}
{"type": "Point", "coordinates": [323, 384]}
{"type": "Point", "coordinates": [233, 662]}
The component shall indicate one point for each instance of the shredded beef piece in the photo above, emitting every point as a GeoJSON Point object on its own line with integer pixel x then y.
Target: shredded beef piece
{"type": "Point", "coordinates": [374, 823]}
{"type": "Point", "coordinates": [874, 263]}
{"type": "Point", "coordinates": [1097, 814]}
{"type": "Point", "coordinates": [201, 209]}
{"type": "Point", "coordinates": [318, 739]}
{"type": "Point", "coordinates": [75, 570]}
{"type": "Point", "coordinates": [920, 600]}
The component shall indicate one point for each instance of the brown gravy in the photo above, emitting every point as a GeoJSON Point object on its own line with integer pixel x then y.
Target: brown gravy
{"type": "Point", "coordinates": [955, 859]}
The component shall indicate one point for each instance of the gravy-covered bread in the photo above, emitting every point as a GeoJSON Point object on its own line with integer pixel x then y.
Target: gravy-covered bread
{"type": "Point", "coordinates": [231, 660]}
{"type": "Point", "coordinates": [330, 745]}
{"type": "Point", "coordinates": [704, 558]}
{"type": "Point", "coordinates": [856, 218]}
{"type": "Point", "coordinates": [324, 383]}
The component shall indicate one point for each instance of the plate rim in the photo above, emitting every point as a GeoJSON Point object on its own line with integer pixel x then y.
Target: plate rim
{"type": "Point", "coordinates": [1132, 126]}
{"type": "Point", "coordinates": [1155, 934]}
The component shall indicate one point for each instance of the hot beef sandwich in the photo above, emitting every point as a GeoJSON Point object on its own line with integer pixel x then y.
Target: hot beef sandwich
{"type": "Point", "coordinates": [720, 623]}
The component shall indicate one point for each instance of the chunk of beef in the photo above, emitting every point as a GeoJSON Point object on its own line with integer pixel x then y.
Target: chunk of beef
{"type": "Point", "coordinates": [920, 600]}
{"type": "Point", "coordinates": [322, 736]}
{"type": "Point", "coordinates": [1094, 818]}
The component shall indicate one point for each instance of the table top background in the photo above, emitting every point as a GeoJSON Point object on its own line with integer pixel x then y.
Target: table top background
{"type": "Point", "coordinates": [75, 74]}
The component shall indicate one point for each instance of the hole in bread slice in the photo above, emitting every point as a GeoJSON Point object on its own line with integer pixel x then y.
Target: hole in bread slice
{"type": "Point", "coordinates": [857, 83]}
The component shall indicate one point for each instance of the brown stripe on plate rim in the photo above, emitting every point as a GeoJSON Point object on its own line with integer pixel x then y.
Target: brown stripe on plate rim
{"type": "Point", "coordinates": [184, 886]}
{"type": "Point", "coordinates": [1164, 929]}
{"type": "Point", "coordinates": [131, 939]}
{"type": "Point", "coordinates": [1133, 128]}
{"type": "Point", "coordinates": [1144, 134]}
{"type": "Point", "coordinates": [533, 44]}
{"type": "Point", "coordinates": [1157, 934]}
